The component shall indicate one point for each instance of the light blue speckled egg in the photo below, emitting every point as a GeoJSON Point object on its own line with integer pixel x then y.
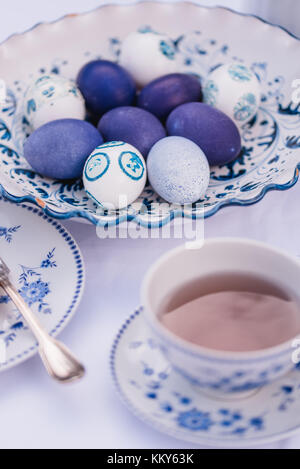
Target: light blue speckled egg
{"type": "Point", "coordinates": [178, 170]}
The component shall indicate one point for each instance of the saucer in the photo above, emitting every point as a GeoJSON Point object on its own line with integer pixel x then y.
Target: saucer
{"type": "Point", "coordinates": [47, 269]}
{"type": "Point", "coordinates": [162, 398]}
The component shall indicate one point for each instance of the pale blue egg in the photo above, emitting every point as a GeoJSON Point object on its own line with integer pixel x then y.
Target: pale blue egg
{"type": "Point", "coordinates": [178, 170]}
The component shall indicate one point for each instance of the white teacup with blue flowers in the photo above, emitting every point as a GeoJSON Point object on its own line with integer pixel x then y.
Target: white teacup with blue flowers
{"type": "Point", "coordinates": [220, 372]}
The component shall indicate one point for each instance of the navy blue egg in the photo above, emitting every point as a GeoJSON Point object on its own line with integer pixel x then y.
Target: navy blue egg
{"type": "Point", "coordinates": [214, 132]}
{"type": "Point", "coordinates": [105, 85]}
{"type": "Point", "coordinates": [132, 125]}
{"type": "Point", "coordinates": [60, 148]}
{"type": "Point", "coordinates": [164, 94]}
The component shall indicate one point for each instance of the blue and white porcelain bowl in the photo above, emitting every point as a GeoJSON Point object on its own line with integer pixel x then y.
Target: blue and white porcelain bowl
{"type": "Point", "coordinates": [217, 371]}
{"type": "Point", "coordinates": [203, 38]}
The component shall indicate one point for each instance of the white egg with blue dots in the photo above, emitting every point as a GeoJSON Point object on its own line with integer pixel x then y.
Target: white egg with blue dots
{"type": "Point", "coordinates": [147, 55]}
{"type": "Point", "coordinates": [114, 175]}
{"type": "Point", "coordinates": [234, 89]}
{"type": "Point", "coordinates": [51, 97]}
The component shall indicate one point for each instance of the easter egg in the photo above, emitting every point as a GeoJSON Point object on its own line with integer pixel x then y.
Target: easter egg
{"type": "Point", "coordinates": [234, 89]}
{"type": "Point", "coordinates": [60, 148]}
{"type": "Point", "coordinates": [148, 55]}
{"type": "Point", "coordinates": [178, 170]}
{"type": "Point", "coordinates": [132, 125]}
{"type": "Point", "coordinates": [114, 175]}
{"type": "Point", "coordinates": [214, 132]}
{"type": "Point", "coordinates": [164, 94]}
{"type": "Point", "coordinates": [105, 85]}
{"type": "Point", "coordinates": [52, 97]}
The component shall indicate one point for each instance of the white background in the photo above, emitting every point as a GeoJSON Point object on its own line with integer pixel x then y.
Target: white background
{"type": "Point", "coordinates": [36, 412]}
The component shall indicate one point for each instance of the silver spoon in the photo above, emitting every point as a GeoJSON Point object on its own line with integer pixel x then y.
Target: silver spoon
{"type": "Point", "coordinates": [58, 360]}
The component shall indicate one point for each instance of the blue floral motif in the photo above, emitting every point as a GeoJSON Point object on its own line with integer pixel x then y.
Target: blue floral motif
{"type": "Point", "coordinates": [245, 107]}
{"type": "Point", "coordinates": [35, 292]}
{"type": "Point", "coordinates": [195, 420]}
{"type": "Point", "coordinates": [31, 106]}
{"type": "Point", "coordinates": [7, 233]}
{"type": "Point", "coordinates": [5, 133]}
{"type": "Point", "coordinates": [49, 262]}
{"type": "Point", "coordinates": [239, 72]}
{"type": "Point", "coordinates": [34, 289]}
{"type": "Point", "coordinates": [10, 104]}
{"type": "Point", "coordinates": [293, 142]}
{"type": "Point", "coordinates": [168, 49]}
{"type": "Point", "coordinates": [210, 92]}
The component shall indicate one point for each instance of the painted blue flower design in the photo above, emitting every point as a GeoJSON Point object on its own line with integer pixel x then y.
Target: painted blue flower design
{"type": "Point", "coordinates": [195, 420]}
{"type": "Point", "coordinates": [7, 233]}
{"type": "Point", "coordinates": [49, 262]}
{"type": "Point", "coordinates": [239, 72]}
{"type": "Point", "coordinates": [5, 133]}
{"type": "Point", "coordinates": [168, 49]}
{"type": "Point", "coordinates": [31, 106]}
{"type": "Point", "coordinates": [210, 92]}
{"type": "Point", "coordinates": [245, 107]}
{"type": "Point", "coordinates": [35, 292]}
{"type": "Point", "coordinates": [34, 289]}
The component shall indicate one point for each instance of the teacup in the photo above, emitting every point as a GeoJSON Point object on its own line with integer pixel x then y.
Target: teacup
{"type": "Point", "coordinates": [216, 371]}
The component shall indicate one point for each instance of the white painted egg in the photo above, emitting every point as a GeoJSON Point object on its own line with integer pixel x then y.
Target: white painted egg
{"type": "Point", "coordinates": [234, 89]}
{"type": "Point", "coordinates": [52, 97]}
{"type": "Point", "coordinates": [148, 55]}
{"type": "Point", "coordinates": [114, 175]}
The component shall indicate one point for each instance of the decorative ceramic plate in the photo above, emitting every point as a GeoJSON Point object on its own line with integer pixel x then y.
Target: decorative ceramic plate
{"type": "Point", "coordinates": [163, 399]}
{"type": "Point", "coordinates": [203, 38]}
{"type": "Point", "coordinates": [41, 254]}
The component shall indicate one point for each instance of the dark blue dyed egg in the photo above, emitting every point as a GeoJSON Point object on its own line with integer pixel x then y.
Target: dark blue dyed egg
{"type": "Point", "coordinates": [60, 148]}
{"type": "Point", "coordinates": [164, 94]}
{"type": "Point", "coordinates": [214, 132]}
{"type": "Point", "coordinates": [132, 125]}
{"type": "Point", "coordinates": [105, 85]}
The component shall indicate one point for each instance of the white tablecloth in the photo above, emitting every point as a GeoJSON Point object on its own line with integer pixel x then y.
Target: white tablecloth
{"type": "Point", "coordinates": [38, 413]}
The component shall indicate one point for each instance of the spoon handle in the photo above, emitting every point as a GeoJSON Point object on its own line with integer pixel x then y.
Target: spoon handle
{"type": "Point", "coordinates": [58, 360]}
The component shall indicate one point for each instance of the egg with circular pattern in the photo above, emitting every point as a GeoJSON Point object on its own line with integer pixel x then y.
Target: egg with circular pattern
{"type": "Point", "coordinates": [114, 175]}
{"type": "Point", "coordinates": [234, 89]}
{"type": "Point", "coordinates": [51, 97]}
{"type": "Point", "coordinates": [147, 55]}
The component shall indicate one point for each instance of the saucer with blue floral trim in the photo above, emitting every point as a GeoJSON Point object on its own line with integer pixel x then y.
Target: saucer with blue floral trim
{"type": "Point", "coordinates": [47, 269]}
{"type": "Point", "coordinates": [163, 399]}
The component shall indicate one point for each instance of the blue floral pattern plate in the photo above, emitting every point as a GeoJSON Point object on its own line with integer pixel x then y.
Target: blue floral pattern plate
{"type": "Point", "coordinates": [41, 254]}
{"type": "Point", "coordinates": [162, 398]}
{"type": "Point", "coordinates": [270, 157]}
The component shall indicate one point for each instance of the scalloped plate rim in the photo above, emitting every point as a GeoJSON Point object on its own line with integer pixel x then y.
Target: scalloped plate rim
{"type": "Point", "coordinates": [61, 325]}
{"type": "Point", "coordinates": [74, 214]}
